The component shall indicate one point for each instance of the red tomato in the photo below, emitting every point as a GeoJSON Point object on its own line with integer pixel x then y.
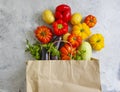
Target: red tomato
{"type": "Point", "coordinates": [43, 34]}
{"type": "Point", "coordinates": [75, 40]}
{"type": "Point", "coordinates": [66, 52]}
{"type": "Point", "coordinates": [90, 20]}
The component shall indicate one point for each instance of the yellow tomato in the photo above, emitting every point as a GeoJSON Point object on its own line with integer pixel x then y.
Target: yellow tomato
{"type": "Point", "coordinates": [65, 36]}
{"type": "Point", "coordinates": [76, 18]}
{"type": "Point", "coordinates": [48, 16]}
{"type": "Point", "coordinates": [82, 30]}
{"type": "Point", "coordinates": [97, 41]}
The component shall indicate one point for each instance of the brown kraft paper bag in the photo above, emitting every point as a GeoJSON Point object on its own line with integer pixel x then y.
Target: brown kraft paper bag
{"type": "Point", "coordinates": [63, 76]}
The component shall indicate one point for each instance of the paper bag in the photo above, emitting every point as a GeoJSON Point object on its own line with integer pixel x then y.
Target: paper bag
{"type": "Point", "coordinates": [63, 76]}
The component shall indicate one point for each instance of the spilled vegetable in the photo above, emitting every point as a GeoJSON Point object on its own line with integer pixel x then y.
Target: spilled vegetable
{"type": "Point", "coordinates": [58, 40]}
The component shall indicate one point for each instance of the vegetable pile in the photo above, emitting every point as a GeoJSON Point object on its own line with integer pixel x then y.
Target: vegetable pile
{"type": "Point", "coordinates": [64, 42]}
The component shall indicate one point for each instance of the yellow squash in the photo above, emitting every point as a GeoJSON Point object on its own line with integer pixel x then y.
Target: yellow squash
{"type": "Point", "coordinates": [97, 41]}
{"type": "Point", "coordinates": [82, 30]}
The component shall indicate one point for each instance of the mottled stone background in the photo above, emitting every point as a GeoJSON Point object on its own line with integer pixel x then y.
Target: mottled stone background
{"type": "Point", "coordinates": [18, 19]}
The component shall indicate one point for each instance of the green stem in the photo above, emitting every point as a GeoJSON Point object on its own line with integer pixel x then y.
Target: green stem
{"type": "Point", "coordinates": [60, 26]}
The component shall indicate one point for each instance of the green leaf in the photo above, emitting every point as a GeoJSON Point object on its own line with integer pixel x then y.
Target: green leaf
{"type": "Point", "coordinates": [33, 49]}
{"type": "Point", "coordinates": [52, 49]}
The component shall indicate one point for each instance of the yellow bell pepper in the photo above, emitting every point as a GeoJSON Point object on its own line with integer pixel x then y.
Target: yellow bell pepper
{"type": "Point", "coordinates": [97, 41]}
{"type": "Point", "coordinates": [82, 30]}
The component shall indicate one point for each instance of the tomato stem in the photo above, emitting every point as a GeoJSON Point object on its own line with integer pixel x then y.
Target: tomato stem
{"type": "Point", "coordinates": [43, 33]}
{"type": "Point", "coordinates": [91, 20]}
{"type": "Point", "coordinates": [74, 38]}
{"type": "Point", "coordinates": [98, 41]}
{"type": "Point", "coordinates": [81, 30]}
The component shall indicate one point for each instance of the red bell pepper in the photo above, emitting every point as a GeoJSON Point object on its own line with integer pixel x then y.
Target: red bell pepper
{"type": "Point", "coordinates": [63, 12]}
{"type": "Point", "coordinates": [60, 27]}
